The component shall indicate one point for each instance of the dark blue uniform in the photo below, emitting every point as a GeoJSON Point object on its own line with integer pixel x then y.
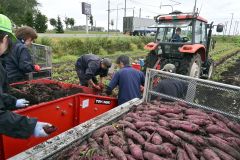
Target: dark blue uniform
{"type": "Point", "coordinates": [172, 87]}
{"type": "Point", "coordinates": [87, 67]}
{"type": "Point", "coordinates": [18, 62]}
{"type": "Point", "coordinates": [177, 38]}
{"type": "Point", "coordinates": [129, 81]}
{"type": "Point", "coordinates": [12, 124]}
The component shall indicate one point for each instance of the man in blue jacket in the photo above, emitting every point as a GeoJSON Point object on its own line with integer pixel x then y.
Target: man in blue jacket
{"type": "Point", "coordinates": [127, 79]}
{"type": "Point", "coordinates": [19, 61]}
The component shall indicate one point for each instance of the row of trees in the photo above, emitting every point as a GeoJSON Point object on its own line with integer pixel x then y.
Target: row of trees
{"type": "Point", "coordinates": [57, 23]}
{"type": "Point", "coordinates": [25, 12]}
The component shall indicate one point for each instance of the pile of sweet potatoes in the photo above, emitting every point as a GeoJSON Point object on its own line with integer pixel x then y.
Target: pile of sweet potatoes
{"type": "Point", "coordinates": [160, 131]}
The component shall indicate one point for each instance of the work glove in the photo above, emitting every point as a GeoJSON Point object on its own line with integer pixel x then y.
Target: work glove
{"type": "Point", "coordinates": [37, 68]}
{"type": "Point", "coordinates": [21, 103]}
{"type": "Point", "coordinates": [39, 131]}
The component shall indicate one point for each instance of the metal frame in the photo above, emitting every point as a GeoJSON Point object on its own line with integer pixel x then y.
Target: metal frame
{"type": "Point", "coordinates": [152, 72]}
{"type": "Point", "coordinates": [47, 149]}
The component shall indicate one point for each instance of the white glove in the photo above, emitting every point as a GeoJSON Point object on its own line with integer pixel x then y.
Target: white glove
{"type": "Point", "coordinates": [39, 131]}
{"type": "Point", "coordinates": [22, 103]}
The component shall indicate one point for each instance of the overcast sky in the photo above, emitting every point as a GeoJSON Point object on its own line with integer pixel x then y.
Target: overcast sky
{"type": "Point", "coordinates": [213, 10]}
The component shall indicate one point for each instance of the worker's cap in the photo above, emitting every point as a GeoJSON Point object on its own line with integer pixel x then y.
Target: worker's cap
{"type": "Point", "coordinates": [107, 62]}
{"type": "Point", "coordinates": [169, 68]}
{"type": "Point", "coordinates": [6, 26]}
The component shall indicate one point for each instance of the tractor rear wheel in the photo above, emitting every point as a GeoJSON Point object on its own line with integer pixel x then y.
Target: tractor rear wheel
{"type": "Point", "coordinates": [150, 60]}
{"type": "Point", "coordinates": [195, 64]}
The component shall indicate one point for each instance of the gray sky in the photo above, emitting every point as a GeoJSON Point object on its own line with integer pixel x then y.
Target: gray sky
{"type": "Point", "coordinates": [213, 10]}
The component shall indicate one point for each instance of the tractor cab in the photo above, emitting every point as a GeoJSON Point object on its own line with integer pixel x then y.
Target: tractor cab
{"type": "Point", "coordinates": [182, 39]}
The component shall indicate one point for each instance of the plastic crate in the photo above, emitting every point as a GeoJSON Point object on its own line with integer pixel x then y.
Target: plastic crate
{"type": "Point", "coordinates": [64, 113]}
{"type": "Point", "coordinates": [136, 66]}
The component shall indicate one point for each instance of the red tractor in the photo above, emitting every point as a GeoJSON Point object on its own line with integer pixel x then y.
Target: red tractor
{"type": "Point", "coordinates": [187, 50]}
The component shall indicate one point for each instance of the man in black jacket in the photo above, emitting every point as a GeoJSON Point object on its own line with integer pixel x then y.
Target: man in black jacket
{"type": "Point", "coordinates": [12, 124]}
{"type": "Point", "coordinates": [19, 62]}
{"type": "Point", "coordinates": [89, 66]}
{"type": "Point", "coordinates": [171, 87]}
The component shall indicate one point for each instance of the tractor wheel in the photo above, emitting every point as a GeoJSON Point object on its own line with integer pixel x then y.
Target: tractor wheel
{"type": "Point", "coordinates": [210, 70]}
{"type": "Point", "coordinates": [195, 64]}
{"type": "Point", "coordinates": [150, 60]}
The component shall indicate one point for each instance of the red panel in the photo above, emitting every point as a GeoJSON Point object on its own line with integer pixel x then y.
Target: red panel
{"type": "Point", "coordinates": [60, 114]}
{"type": "Point", "coordinates": [136, 66]}
{"type": "Point", "coordinates": [91, 107]}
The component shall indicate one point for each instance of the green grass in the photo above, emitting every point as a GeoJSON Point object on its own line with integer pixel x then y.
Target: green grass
{"type": "Point", "coordinates": [81, 32]}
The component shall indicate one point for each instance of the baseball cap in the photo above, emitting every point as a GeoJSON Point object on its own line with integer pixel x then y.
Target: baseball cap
{"type": "Point", "coordinates": [6, 26]}
{"type": "Point", "coordinates": [169, 68]}
{"type": "Point", "coordinates": [107, 62]}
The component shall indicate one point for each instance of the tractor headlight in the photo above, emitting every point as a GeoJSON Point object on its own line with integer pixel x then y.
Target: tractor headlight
{"type": "Point", "coordinates": [160, 51]}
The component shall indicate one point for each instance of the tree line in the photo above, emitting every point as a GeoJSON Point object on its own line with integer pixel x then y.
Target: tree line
{"type": "Point", "coordinates": [26, 12]}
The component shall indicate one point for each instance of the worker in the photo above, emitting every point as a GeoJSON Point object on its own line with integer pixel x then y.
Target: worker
{"type": "Point", "coordinates": [89, 66]}
{"type": "Point", "coordinates": [19, 62]}
{"type": "Point", "coordinates": [12, 124]}
{"type": "Point", "coordinates": [128, 80]}
{"type": "Point", "coordinates": [176, 37]}
{"type": "Point", "coordinates": [171, 87]}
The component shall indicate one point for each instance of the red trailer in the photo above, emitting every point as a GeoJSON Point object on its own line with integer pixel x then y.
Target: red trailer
{"type": "Point", "coordinates": [65, 113]}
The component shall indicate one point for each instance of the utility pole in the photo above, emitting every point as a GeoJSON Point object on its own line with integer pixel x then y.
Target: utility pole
{"type": "Point", "coordinates": [195, 6]}
{"type": "Point", "coordinates": [108, 15]}
{"type": "Point", "coordinates": [125, 9]}
{"type": "Point", "coordinates": [117, 19]}
{"type": "Point", "coordinates": [225, 28]}
{"type": "Point", "coordinates": [133, 11]}
{"type": "Point", "coordinates": [234, 27]}
{"type": "Point", "coordinates": [230, 25]}
{"type": "Point", "coordinates": [237, 28]}
{"type": "Point", "coordinates": [140, 10]}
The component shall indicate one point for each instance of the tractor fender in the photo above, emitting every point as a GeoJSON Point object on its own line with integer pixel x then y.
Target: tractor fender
{"type": "Point", "coordinates": [151, 46]}
{"type": "Point", "coordinates": [193, 49]}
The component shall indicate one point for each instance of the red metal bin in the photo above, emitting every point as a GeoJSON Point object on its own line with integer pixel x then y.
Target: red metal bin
{"type": "Point", "coordinates": [64, 113]}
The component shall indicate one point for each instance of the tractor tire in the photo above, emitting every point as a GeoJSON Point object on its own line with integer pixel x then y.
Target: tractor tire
{"type": "Point", "coordinates": [191, 66]}
{"type": "Point", "coordinates": [195, 66]}
{"type": "Point", "coordinates": [150, 61]}
{"type": "Point", "coordinates": [208, 70]}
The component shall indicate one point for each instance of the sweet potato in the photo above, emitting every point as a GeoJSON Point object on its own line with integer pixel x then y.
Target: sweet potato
{"type": "Point", "coordinates": [194, 117]}
{"type": "Point", "coordinates": [234, 126]}
{"type": "Point", "coordinates": [100, 132]}
{"type": "Point", "coordinates": [145, 134]}
{"type": "Point", "coordinates": [151, 112]}
{"type": "Point", "coordinates": [93, 143]}
{"type": "Point", "coordinates": [158, 149]}
{"type": "Point", "coordinates": [152, 156]}
{"type": "Point", "coordinates": [219, 143]}
{"type": "Point", "coordinates": [193, 139]}
{"type": "Point", "coordinates": [210, 154]}
{"type": "Point", "coordinates": [135, 150]}
{"type": "Point", "coordinates": [127, 124]}
{"type": "Point", "coordinates": [118, 141]}
{"type": "Point", "coordinates": [185, 125]}
{"type": "Point", "coordinates": [165, 118]}
{"type": "Point", "coordinates": [192, 111]}
{"type": "Point", "coordinates": [181, 154]}
{"type": "Point", "coordinates": [220, 117]}
{"type": "Point", "coordinates": [169, 135]}
{"type": "Point", "coordinates": [125, 149]}
{"type": "Point", "coordinates": [130, 157]}
{"type": "Point", "coordinates": [118, 153]}
{"type": "Point", "coordinates": [169, 145]}
{"type": "Point", "coordinates": [233, 139]}
{"type": "Point", "coordinates": [222, 154]}
{"type": "Point", "coordinates": [214, 129]}
{"type": "Point", "coordinates": [134, 135]}
{"type": "Point", "coordinates": [156, 139]}
{"type": "Point", "coordinates": [129, 119]}
{"type": "Point", "coordinates": [164, 110]}
{"type": "Point", "coordinates": [133, 115]}
{"type": "Point", "coordinates": [148, 128]}
{"type": "Point", "coordinates": [193, 149]}
{"type": "Point", "coordinates": [200, 122]}
{"type": "Point", "coordinates": [142, 124]}
{"type": "Point", "coordinates": [190, 152]}
{"type": "Point", "coordinates": [176, 116]}
{"type": "Point", "coordinates": [162, 123]}
{"type": "Point", "coordinates": [106, 141]}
